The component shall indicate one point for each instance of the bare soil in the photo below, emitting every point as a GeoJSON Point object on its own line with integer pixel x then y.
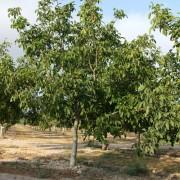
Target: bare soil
{"type": "Point", "coordinates": [27, 153]}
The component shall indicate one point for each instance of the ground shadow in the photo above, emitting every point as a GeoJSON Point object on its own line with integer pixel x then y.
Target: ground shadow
{"type": "Point", "coordinates": [35, 168]}
{"type": "Point", "coordinates": [118, 161]}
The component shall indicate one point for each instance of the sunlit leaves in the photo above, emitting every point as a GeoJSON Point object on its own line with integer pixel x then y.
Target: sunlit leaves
{"type": "Point", "coordinates": [163, 19]}
{"type": "Point", "coordinates": [119, 14]}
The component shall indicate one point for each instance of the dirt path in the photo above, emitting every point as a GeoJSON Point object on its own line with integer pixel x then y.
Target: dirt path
{"type": "Point", "coordinates": [35, 151]}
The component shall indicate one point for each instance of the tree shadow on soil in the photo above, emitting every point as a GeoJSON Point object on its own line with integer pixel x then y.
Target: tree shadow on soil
{"type": "Point", "coordinates": [108, 164]}
{"type": "Point", "coordinates": [117, 162]}
{"type": "Point", "coordinates": [35, 168]}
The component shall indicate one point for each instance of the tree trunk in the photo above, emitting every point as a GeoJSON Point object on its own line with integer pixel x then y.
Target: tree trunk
{"type": "Point", "coordinates": [2, 132]}
{"type": "Point", "coordinates": [138, 149]}
{"type": "Point", "coordinates": [105, 146]}
{"type": "Point", "coordinates": [74, 144]}
{"type": "Point", "coordinates": [63, 130]}
{"type": "Point", "coordinates": [139, 139]}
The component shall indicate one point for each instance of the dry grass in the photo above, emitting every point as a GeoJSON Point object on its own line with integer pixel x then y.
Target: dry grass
{"type": "Point", "coordinates": [29, 152]}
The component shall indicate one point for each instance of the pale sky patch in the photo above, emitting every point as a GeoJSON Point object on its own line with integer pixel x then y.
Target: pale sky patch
{"type": "Point", "coordinates": [139, 24]}
{"type": "Point", "coordinates": [6, 33]}
{"type": "Point", "coordinates": [136, 24]}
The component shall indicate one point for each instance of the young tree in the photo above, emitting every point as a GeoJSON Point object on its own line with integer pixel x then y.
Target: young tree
{"type": "Point", "coordinates": [70, 59]}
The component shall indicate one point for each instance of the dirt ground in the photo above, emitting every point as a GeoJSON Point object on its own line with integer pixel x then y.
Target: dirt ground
{"type": "Point", "coordinates": [26, 153]}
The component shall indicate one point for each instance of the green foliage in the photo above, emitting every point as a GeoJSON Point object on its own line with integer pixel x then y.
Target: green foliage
{"type": "Point", "coordinates": [119, 14]}
{"type": "Point", "coordinates": [163, 19]}
{"type": "Point", "coordinates": [9, 109]}
{"type": "Point", "coordinates": [163, 98]}
{"type": "Point", "coordinates": [67, 60]}
{"type": "Point", "coordinates": [133, 66]}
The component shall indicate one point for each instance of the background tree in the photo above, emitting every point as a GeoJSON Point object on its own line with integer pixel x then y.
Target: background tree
{"type": "Point", "coordinates": [165, 95]}
{"type": "Point", "coordinates": [9, 109]}
{"type": "Point", "coordinates": [144, 86]}
{"type": "Point", "coordinates": [132, 67]}
{"type": "Point", "coordinates": [27, 92]}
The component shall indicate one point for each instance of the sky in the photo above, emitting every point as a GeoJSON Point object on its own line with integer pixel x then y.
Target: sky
{"type": "Point", "coordinates": [136, 24]}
